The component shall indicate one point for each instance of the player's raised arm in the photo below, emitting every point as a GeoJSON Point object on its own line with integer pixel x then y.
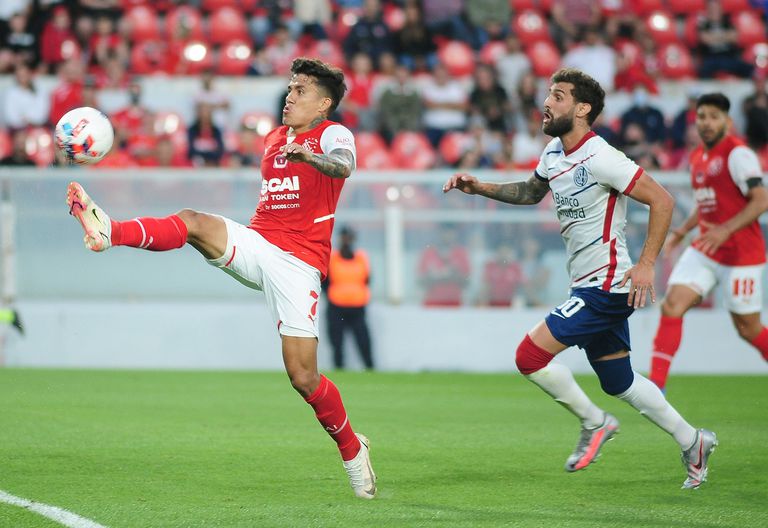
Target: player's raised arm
{"type": "Point", "coordinates": [641, 275]}
{"type": "Point", "coordinates": [338, 163]}
{"type": "Point", "coordinates": [521, 193]}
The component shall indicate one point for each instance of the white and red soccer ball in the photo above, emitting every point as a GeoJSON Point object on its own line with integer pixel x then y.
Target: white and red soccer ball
{"type": "Point", "coordinates": [84, 135]}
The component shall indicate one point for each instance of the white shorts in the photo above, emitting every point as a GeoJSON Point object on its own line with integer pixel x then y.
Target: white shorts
{"type": "Point", "coordinates": [291, 286]}
{"type": "Point", "coordinates": [740, 286]}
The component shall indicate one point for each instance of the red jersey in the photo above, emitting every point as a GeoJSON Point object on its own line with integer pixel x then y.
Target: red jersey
{"type": "Point", "coordinates": [298, 202]}
{"type": "Point", "coordinates": [437, 266]}
{"type": "Point", "coordinates": [719, 180]}
{"type": "Point", "coordinates": [502, 280]}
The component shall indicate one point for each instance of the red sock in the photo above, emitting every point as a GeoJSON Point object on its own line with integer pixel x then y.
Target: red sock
{"type": "Point", "coordinates": [761, 343]}
{"type": "Point", "coordinates": [154, 234]}
{"type": "Point", "coordinates": [329, 409]}
{"type": "Point", "coordinates": [665, 346]}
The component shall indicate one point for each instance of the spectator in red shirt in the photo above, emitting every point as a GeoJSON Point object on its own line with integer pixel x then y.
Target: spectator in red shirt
{"type": "Point", "coordinates": [356, 110]}
{"type": "Point", "coordinates": [68, 94]}
{"type": "Point", "coordinates": [128, 121]}
{"type": "Point", "coordinates": [165, 155]}
{"type": "Point", "coordinates": [444, 269]}
{"type": "Point", "coordinates": [107, 42]}
{"type": "Point", "coordinates": [502, 278]}
{"type": "Point", "coordinates": [55, 34]}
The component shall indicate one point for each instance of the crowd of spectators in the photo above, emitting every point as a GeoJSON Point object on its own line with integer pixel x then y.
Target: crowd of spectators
{"type": "Point", "coordinates": [464, 74]}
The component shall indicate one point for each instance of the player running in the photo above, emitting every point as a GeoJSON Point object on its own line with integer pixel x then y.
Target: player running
{"type": "Point", "coordinates": [728, 187]}
{"type": "Point", "coordinates": [590, 182]}
{"type": "Point", "coordinates": [285, 249]}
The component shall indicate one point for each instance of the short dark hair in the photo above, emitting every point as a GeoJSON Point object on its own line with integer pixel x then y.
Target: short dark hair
{"type": "Point", "coordinates": [585, 90]}
{"type": "Point", "coordinates": [329, 78]}
{"type": "Point", "coordinates": [716, 99]}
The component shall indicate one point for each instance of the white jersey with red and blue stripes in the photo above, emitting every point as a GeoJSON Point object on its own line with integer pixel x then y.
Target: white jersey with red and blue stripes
{"type": "Point", "coordinates": [589, 185]}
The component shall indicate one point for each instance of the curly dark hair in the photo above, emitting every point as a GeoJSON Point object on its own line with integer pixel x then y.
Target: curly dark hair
{"type": "Point", "coordinates": [585, 90]}
{"type": "Point", "coordinates": [716, 99]}
{"type": "Point", "coordinates": [329, 78]}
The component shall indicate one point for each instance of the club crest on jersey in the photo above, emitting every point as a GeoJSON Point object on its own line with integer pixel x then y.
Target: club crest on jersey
{"type": "Point", "coordinates": [581, 176]}
{"type": "Point", "coordinates": [280, 162]}
{"type": "Point", "coordinates": [311, 144]}
{"type": "Point", "coordinates": [715, 166]}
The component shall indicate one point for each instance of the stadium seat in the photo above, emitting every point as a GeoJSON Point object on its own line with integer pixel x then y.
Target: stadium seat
{"type": "Point", "coordinates": [750, 28]}
{"type": "Point", "coordinates": [171, 124]}
{"type": "Point", "coordinates": [149, 57]}
{"type": "Point", "coordinates": [522, 5]}
{"type": "Point", "coordinates": [40, 146]}
{"type": "Point", "coordinates": [412, 150]}
{"type": "Point", "coordinates": [143, 23]}
{"type": "Point", "coordinates": [661, 27]}
{"type": "Point", "coordinates": [457, 57]}
{"type": "Point", "coordinates": [372, 151]}
{"type": "Point", "coordinates": [686, 7]}
{"type": "Point", "coordinates": [6, 143]}
{"type": "Point", "coordinates": [492, 51]}
{"type": "Point", "coordinates": [530, 27]}
{"type": "Point", "coordinates": [184, 23]}
{"type": "Point", "coordinates": [546, 6]}
{"type": "Point", "coordinates": [345, 19]}
{"type": "Point", "coordinates": [691, 31]}
{"type": "Point", "coordinates": [757, 54]}
{"type": "Point", "coordinates": [327, 51]}
{"type": "Point", "coordinates": [260, 122]}
{"type": "Point", "coordinates": [453, 145]}
{"type": "Point", "coordinates": [234, 58]}
{"type": "Point", "coordinates": [544, 57]}
{"type": "Point", "coordinates": [394, 17]}
{"type": "Point", "coordinates": [734, 6]}
{"type": "Point", "coordinates": [675, 61]}
{"type": "Point", "coordinates": [227, 24]}
{"type": "Point", "coordinates": [645, 7]}
{"type": "Point", "coordinates": [196, 57]}
{"type": "Point", "coordinates": [213, 5]}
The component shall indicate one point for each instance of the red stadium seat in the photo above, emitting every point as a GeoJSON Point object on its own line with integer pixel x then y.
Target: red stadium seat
{"type": "Point", "coordinates": [522, 5]}
{"type": "Point", "coordinates": [530, 27]}
{"type": "Point", "coordinates": [757, 54]}
{"type": "Point", "coordinates": [661, 27]}
{"type": "Point", "coordinates": [143, 23]}
{"type": "Point", "coordinates": [196, 57]}
{"type": "Point", "coordinates": [750, 28]}
{"type": "Point", "coordinates": [327, 51]}
{"type": "Point", "coordinates": [457, 57]}
{"type": "Point", "coordinates": [184, 23]}
{"type": "Point", "coordinates": [734, 6]}
{"type": "Point", "coordinates": [686, 7]}
{"type": "Point", "coordinates": [691, 30]}
{"type": "Point", "coordinates": [372, 151]}
{"type": "Point", "coordinates": [546, 6]}
{"type": "Point", "coordinates": [675, 61]}
{"type": "Point", "coordinates": [492, 51]}
{"type": "Point", "coordinates": [172, 125]}
{"type": "Point", "coordinates": [6, 143]}
{"type": "Point", "coordinates": [453, 146]}
{"type": "Point", "coordinates": [394, 17]}
{"type": "Point", "coordinates": [260, 122]}
{"type": "Point", "coordinates": [149, 57]}
{"type": "Point", "coordinates": [412, 150]}
{"type": "Point", "coordinates": [227, 24]}
{"type": "Point", "coordinates": [345, 19]}
{"type": "Point", "coordinates": [644, 7]}
{"type": "Point", "coordinates": [545, 58]}
{"type": "Point", "coordinates": [369, 140]}
{"type": "Point", "coordinates": [39, 146]}
{"type": "Point", "coordinates": [234, 59]}
{"type": "Point", "coordinates": [213, 5]}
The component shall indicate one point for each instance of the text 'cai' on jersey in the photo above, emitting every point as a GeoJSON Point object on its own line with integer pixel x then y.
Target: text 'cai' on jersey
{"type": "Point", "coordinates": [719, 180]}
{"type": "Point", "coordinates": [589, 185]}
{"type": "Point", "coordinates": [298, 202]}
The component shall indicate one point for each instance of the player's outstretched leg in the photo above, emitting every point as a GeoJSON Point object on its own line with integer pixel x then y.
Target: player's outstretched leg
{"type": "Point", "coordinates": [590, 442]}
{"type": "Point", "coordinates": [101, 232]}
{"type": "Point", "coordinates": [696, 457]}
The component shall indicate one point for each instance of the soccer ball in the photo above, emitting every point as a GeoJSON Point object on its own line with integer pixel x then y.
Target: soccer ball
{"type": "Point", "coordinates": [84, 135]}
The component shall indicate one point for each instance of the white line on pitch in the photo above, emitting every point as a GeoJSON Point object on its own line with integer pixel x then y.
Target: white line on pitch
{"type": "Point", "coordinates": [60, 515]}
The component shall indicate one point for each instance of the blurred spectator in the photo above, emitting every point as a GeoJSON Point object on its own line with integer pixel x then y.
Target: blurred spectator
{"type": "Point", "coordinates": [140, 144]}
{"type": "Point", "coordinates": [106, 42]}
{"type": "Point", "coordinates": [512, 66]}
{"type": "Point", "coordinates": [571, 17]}
{"type": "Point", "coordinates": [56, 34]}
{"type": "Point", "coordinates": [632, 65]}
{"type": "Point", "coordinates": [84, 31]}
{"type": "Point", "coordinates": [678, 158]}
{"type": "Point", "coordinates": [650, 118]}
{"type": "Point", "coordinates": [216, 99]}
{"type": "Point", "coordinates": [18, 156]}
{"type": "Point", "coordinates": [280, 51]}
{"type": "Point", "coordinates": [269, 16]}
{"type": "Point", "coordinates": [502, 278]}
{"type": "Point", "coordinates": [755, 109]}
{"type": "Point", "coordinates": [400, 107]}
{"type": "Point", "coordinates": [527, 94]}
{"type": "Point", "coordinates": [164, 155]}
{"type": "Point", "coordinates": [535, 272]}
{"type": "Point", "coordinates": [98, 8]}
{"type": "Point", "coordinates": [370, 35]}
{"type": "Point", "coordinates": [90, 96]}
{"type": "Point", "coordinates": [8, 8]}
{"type": "Point", "coordinates": [68, 94]}
{"type": "Point", "coordinates": [314, 15]}
{"type": "Point", "coordinates": [24, 103]}
{"type": "Point", "coordinates": [528, 144]}
{"type": "Point", "coordinates": [718, 44]}
{"type": "Point", "coordinates": [592, 56]}
{"type": "Point", "coordinates": [249, 149]}
{"type": "Point", "coordinates": [606, 131]}
{"type": "Point", "coordinates": [489, 100]}
{"type": "Point", "coordinates": [356, 108]}
{"type": "Point", "coordinates": [18, 44]}
{"type": "Point", "coordinates": [445, 101]}
{"type": "Point", "coordinates": [621, 20]}
{"type": "Point", "coordinates": [414, 42]}
{"type": "Point", "coordinates": [444, 269]}
{"type": "Point", "coordinates": [260, 65]}
{"type": "Point", "coordinates": [489, 18]}
{"type": "Point", "coordinates": [485, 148]}
{"type": "Point", "coordinates": [446, 18]}
{"type": "Point", "coordinates": [206, 143]}
{"type": "Point", "coordinates": [117, 158]}
{"type": "Point", "coordinates": [112, 75]}
{"type": "Point", "coordinates": [637, 148]}
{"type": "Point", "coordinates": [684, 118]}
{"type": "Point", "coordinates": [128, 121]}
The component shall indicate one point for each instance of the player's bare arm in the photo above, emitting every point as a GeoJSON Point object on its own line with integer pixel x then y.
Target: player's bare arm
{"type": "Point", "coordinates": [641, 275]}
{"type": "Point", "coordinates": [528, 192]}
{"type": "Point", "coordinates": [678, 234]}
{"type": "Point", "coordinates": [338, 163]}
{"type": "Point", "coordinates": [715, 235]}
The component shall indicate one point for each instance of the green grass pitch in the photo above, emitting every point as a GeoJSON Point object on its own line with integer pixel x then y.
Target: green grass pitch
{"type": "Point", "coordinates": [240, 449]}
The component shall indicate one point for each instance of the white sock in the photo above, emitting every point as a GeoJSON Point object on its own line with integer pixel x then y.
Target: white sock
{"type": "Point", "coordinates": [647, 398]}
{"type": "Point", "coordinates": [556, 380]}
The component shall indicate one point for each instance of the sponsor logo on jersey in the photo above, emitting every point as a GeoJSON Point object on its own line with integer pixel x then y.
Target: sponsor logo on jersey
{"type": "Point", "coordinates": [568, 206]}
{"type": "Point", "coordinates": [581, 176]}
{"type": "Point", "coordinates": [289, 183]}
{"type": "Point", "coordinates": [280, 162]}
{"type": "Point", "coordinates": [705, 196]}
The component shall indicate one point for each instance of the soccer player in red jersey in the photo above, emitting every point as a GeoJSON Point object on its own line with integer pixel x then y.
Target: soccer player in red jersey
{"type": "Point", "coordinates": [728, 188]}
{"type": "Point", "coordinates": [284, 251]}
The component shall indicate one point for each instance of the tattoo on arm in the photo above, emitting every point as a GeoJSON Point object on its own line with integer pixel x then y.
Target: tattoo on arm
{"type": "Point", "coordinates": [336, 164]}
{"type": "Point", "coordinates": [521, 193]}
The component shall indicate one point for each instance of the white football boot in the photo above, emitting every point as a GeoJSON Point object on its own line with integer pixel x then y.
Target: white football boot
{"type": "Point", "coordinates": [696, 458]}
{"type": "Point", "coordinates": [361, 475]}
{"type": "Point", "coordinates": [95, 222]}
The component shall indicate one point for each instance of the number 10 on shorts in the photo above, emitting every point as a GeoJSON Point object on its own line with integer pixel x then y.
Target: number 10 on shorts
{"type": "Point", "coordinates": [569, 307]}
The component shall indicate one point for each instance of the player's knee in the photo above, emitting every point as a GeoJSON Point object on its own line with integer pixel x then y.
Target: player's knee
{"type": "Point", "coordinates": [304, 381]}
{"type": "Point", "coordinates": [530, 357]}
{"type": "Point", "coordinates": [748, 331]}
{"type": "Point", "coordinates": [671, 307]}
{"type": "Point", "coordinates": [615, 375]}
{"type": "Point", "coordinates": [192, 219]}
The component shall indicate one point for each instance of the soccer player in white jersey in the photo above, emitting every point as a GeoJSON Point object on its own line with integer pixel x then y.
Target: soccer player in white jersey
{"type": "Point", "coordinates": [591, 182]}
{"type": "Point", "coordinates": [284, 250]}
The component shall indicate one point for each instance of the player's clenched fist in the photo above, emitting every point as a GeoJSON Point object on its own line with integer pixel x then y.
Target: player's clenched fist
{"type": "Point", "coordinates": [295, 152]}
{"type": "Point", "coordinates": [463, 182]}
